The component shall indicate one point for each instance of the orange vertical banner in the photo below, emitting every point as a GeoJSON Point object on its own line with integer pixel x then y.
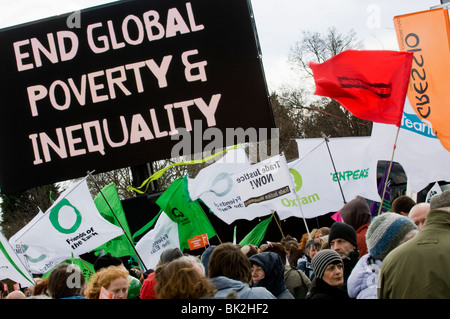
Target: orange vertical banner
{"type": "Point", "coordinates": [427, 35]}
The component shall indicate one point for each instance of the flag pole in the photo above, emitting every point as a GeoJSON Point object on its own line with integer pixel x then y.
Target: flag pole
{"type": "Point", "coordinates": [303, 215]}
{"type": "Point", "coordinates": [326, 138]}
{"type": "Point", "coordinates": [389, 171]}
{"type": "Point", "coordinates": [118, 221]}
{"type": "Point", "coordinates": [279, 226]}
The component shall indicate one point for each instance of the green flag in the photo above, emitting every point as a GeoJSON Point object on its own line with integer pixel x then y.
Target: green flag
{"type": "Point", "coordinates": [119, 246]}
{"type": "Point", "coordinates": [86, 268]}
{"type": "Point", "coordinates": [257, 234]}
{"type": "Point", "coordinates": [188, 214]}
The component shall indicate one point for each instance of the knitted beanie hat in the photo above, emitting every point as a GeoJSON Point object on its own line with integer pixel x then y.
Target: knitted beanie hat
{"type": "Point", "coordinates": [386, 232]}
{"type": "Point", "coordinates": [344, 231]}
{"type": "Point", "coordinates": [440, 200]}
{"type": "Point", "coordinates": [322, 259]}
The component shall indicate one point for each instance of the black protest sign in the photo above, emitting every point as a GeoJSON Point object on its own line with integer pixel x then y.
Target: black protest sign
{"type": "Point", "coordinates": [110, 86]}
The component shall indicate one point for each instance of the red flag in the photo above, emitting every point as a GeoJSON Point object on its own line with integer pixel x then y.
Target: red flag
{"type": "Point", "coordinates": [372, 85]}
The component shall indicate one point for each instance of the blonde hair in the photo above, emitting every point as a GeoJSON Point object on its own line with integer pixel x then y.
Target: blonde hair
{"type": "Point", "coordinates": [103, 278]}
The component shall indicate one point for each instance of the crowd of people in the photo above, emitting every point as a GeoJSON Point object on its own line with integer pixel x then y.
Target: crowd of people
{"type": "Point", "coordinates": [399, 254]}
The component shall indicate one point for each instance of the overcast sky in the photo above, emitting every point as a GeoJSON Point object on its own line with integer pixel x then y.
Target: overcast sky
{"type": "Point", "coordinates": [279, 23]}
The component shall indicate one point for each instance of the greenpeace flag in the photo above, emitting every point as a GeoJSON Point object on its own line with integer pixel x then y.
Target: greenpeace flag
{"type": "Point", "coordinates": [356, 175]}
{"type": "Point", "coordinates": [11, 267]}
{"type": "Point", "coordinates": [70, 227]}
{"type": "Point", "coordinates": [372, 85]}
{"type": "Point", "coordinates": [214, 186]}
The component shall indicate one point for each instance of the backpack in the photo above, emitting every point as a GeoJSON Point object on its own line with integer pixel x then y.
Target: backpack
{"type": "Point", "coordinates": [297, 282]}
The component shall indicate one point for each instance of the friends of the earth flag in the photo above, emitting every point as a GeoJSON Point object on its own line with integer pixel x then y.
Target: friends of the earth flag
{"type": "Point", "coordinates": [188, 214]}
{"type": "Point", "coordinates": [11, 267]}
{"type": "Point", "coordinates": [70, 227]}
{"type": "Point", "coordinates": [36, 258]}
{"type": "Point", "coordinates": [426, 34]}
{"type": "Point", "coordinates": [418, 150]}
{"type": "Point", "coordinates": [372, 85]}
{"type": "Point", "coordinates": [163, 236]}
{"type": "Point", "coordinates": [214, 186]}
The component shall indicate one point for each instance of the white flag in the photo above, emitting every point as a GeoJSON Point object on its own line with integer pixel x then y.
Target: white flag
{"type": "Point", "coordinates": [357, 175]}
{"type": "Point", "coordinates": [215, 187]}
{"type": "Point", "coordinates": [163, 236]}
{"type": "Point", "coordinates": [435, 190]}
{"type": "Point", "coordinates": [70, 227]}
{"type": "Point", "coordinates": [265, 182]}
{"type": "Point", "coordinates": [11, 267]}
{"type": "Point", "coordinates": [418, 150]}
{"type": "Point", "coordinates": [316, 194]}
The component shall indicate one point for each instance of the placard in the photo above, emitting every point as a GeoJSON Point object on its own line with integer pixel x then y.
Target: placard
{"type": "Point", "coordinates": [111, 86]}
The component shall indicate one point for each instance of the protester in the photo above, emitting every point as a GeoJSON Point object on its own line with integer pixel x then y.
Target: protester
{"type": "Point", "coordinates": [66, 281]}
{"type": "Point", "coordinates": [304, 263]}
{"type": "Point", "coordinates": [386, 232]}
{"type": "Point", "coordinates": [115, 279]}
{"type": "Point", "coordinates": [16, 294]}
{"type": "Point", "coordinates": [107, 260]}
{"type": "Point", "coordinates": [418, 214]}
{"type": "Point", "coordinates": [204, 258]}
{"type": "Point", "coordinates": [270, 274]}
{"type": "Point", "coordinates": [182, 279]}
{"type": "Point", "coordinates": [148, 286]}
{"type": "Point", "coordinates": [329, 276]}
{"type": "Point", "coordinates": [342, 239]}
{"type": "Point", "coordinates": [137, 273]}
{"type": "Point", "coordinates": [249, 250]}
{"type": "Point", "coordinates": [325, 231]}
{"type": "Point", "coordinates": [356, 213]}
{"type": "Point", "coordinates": [40, 287]}
{"type": "Point", "coordinates": [229, 271]}
{"type": "Point", "coordinates": [402, 205]}
{"type": "Point", "coordinates": [303, 240]}
{"type": "Point", "coordinates": [316, 235]}
{"type": "Point", "coordinates": [418, 269]}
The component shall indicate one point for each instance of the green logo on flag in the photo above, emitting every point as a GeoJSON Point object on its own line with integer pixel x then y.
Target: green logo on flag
{"type": "Point", "coordinates": [297, 179]}
{"type": "Point", "coordinates": [54, 217]}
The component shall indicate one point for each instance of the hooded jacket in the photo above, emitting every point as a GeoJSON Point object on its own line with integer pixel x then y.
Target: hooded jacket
{"type": "Point", "coordinates": [356, 213]}
{"type": "Point", "coordinates": [225, 286]}
{"type": "Point", "coordinates": [363, 281]}
{"type": "Point", "coordinates": [273, 280]}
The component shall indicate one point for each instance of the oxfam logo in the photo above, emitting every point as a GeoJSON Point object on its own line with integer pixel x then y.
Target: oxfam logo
{"type": "Point", "coordinates": [297, 179]}
{"type": "Point", "coordinates": [54, 217]}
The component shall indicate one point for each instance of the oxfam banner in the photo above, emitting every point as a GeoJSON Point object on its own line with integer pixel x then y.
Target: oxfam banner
{"type": "Point", "coordinates": [70, 227]}
{"type": "Point", "coordinates": [110, 86]}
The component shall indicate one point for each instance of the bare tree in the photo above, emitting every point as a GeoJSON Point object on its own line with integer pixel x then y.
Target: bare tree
{"type": "Point", "coordinates": [312, 114]}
